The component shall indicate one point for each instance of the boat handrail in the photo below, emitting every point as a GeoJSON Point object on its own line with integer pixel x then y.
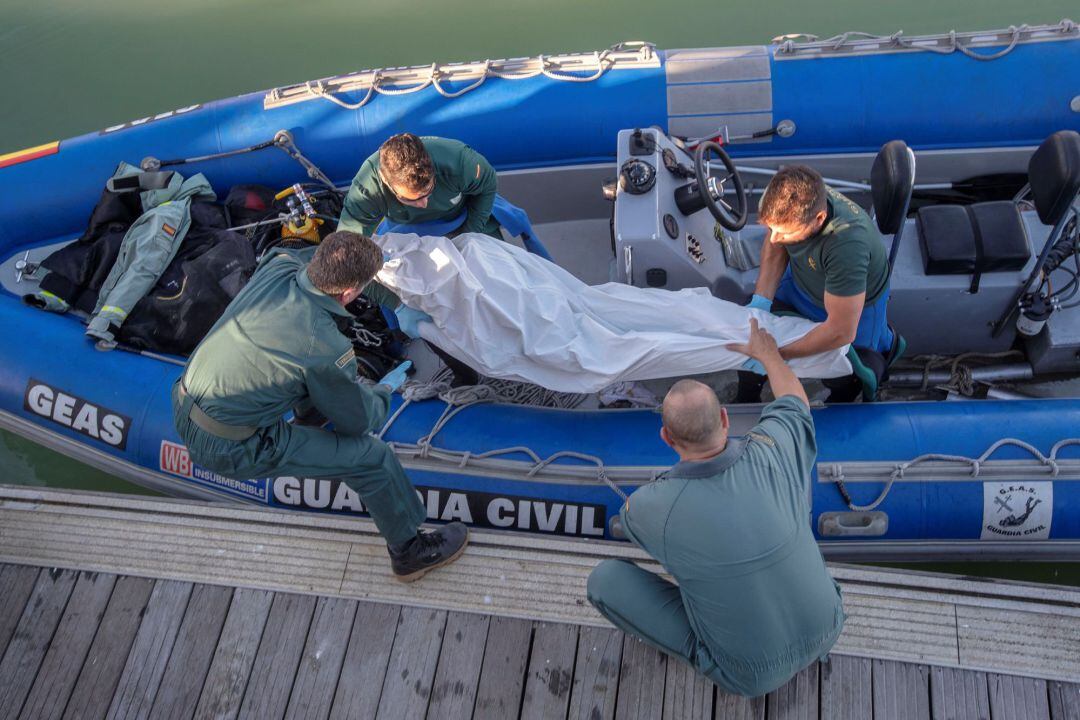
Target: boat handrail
{"type": "Point", "coordinates": [939, 466]}
{"type": "Point", "coordinates": [569, 67]}
{"type": "Point", "coordinates": [805, 45]}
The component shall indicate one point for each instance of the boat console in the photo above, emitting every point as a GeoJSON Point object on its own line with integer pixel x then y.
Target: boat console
{"type": "Point", "coordinates": [666, 234]}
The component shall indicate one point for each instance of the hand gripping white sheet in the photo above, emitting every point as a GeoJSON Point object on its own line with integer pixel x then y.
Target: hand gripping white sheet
{"type": "Point", "coordinates": [510, 314]}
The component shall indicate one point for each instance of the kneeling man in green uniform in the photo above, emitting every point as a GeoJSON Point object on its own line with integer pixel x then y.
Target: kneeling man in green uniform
{"type": "Point", "coordinates": [754, 602]}
{"type": "Point", "coordinates": [422, 181]}
{"type": "Point", "coordinates": [278, 348]}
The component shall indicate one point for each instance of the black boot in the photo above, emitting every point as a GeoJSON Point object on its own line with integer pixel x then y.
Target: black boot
{"type": "Point", "coordinates": [430, 549]}
{"type": "Point", "coordinates": [750, 386]}
{"type": "Point", "coordinates": [843, 389]}
{"type": "Point", "coordinates": [463, 374]}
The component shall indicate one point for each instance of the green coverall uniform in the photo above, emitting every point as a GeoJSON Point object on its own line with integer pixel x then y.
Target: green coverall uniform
{"type": "Point", "coordinates": [754, 602]}
{"type": "Point", "coordinates": [463, 179]}
{"type": "Point", "coordinates": [277, 347]}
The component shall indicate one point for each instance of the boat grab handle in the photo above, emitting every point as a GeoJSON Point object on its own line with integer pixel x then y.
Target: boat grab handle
{"type": "Point", "coordinates": [864, 524]}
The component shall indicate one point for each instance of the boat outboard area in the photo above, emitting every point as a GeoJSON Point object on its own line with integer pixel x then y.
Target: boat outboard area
{"type": "Point", "coordinates": [639, 169]}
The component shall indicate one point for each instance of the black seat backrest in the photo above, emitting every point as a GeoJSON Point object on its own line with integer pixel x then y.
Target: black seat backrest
{"type": "Point", "coordinates": [891, 180]}
{"type": "Point", "coordinates": [1054, 174]}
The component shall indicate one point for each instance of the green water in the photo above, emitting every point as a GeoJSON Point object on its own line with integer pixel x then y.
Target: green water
{"type": "Point", "coordinates": [74, 66]}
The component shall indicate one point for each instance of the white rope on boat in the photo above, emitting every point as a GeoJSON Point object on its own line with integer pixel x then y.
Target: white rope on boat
{"type": "Point", "coordinates": [403, 81]}
{"type": "Point", "coordinates": [1049, 461]}
{"type": "Point", "coordinates": [490, 391]}
{"type": "Point", "coordinates": [943, 44]}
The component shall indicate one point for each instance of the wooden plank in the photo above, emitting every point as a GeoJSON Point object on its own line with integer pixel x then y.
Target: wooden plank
{"type": "Point", "coordinates": [320, 665]}
{"type": "Point", "coordinates": [846, 692]}
{"type": "Point", "coordinates": [1018, 698]}
{"type": "Point", "coordinates": [272, 673]}
{"type": "Point", "coordinates": [16, 584]}
{"type": "Point", "coordinates": [596, 673]}
{"type": "Point", "coordinates": [105, 661]}
{"type": "Point", "coordinates": [185, 673]}
{"type": "Point", "coordinates": [364, 669]}
{"type": "Point", "coordinates": [551, 671]}
{"type": "Point", "coordinates": [458, 672]}
{"type": "Point", "coordinates": [901, 691]}
{"type": "Point", "coordinates": [643, 671]}
{"type": "Point", "coordinates": [67, 651]}
{"type": "Point", "coordinates": [150, 652]}
{"type": "Point", "coordinates": [413, 659]}
{"type": "Point", "coordinates": [231, 666]}
{"type": "Point", "coordinates": [502, 676]}
{"type": "Point", "coordinates": [797, 699]}
{"type": "Point", "coordinates": [1064, 700]}
{"type": "Point", "coordinates": [687, 693]}
{"type": "Point", "coordinates": [737, 707]}
{"type": "Point", "coordinates": [37, 623]}
{"type": "Point", "coordinates": [957, 694]}
{"type": "Point", "coordinates": [1013, 640]}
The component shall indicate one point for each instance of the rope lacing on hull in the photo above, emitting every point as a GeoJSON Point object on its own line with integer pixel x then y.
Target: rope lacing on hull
{"type": "Point", "coordinates": [491, 391]}
{"type": "Point", "coordinates": [1050, 462]}
{"type": "Point", "coordinates": [945, 44]}
{"type": "Point", "coordinates": [388, 81]}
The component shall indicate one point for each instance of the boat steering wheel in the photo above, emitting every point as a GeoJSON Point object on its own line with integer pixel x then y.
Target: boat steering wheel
{"type": "Point", "coordinates": [732, 216]}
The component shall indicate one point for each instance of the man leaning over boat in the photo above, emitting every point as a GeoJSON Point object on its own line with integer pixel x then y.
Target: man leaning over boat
{"type": "Point", "coordinates": [825, 260]}
{"type": "Point", "coordinates": [754, 602]}
{"type": "Point", "coordinates": [432, 186]}
{"type": "Point", "coordinates": [278, 348]}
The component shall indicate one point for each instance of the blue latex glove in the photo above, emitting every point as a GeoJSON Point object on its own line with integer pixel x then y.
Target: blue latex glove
{"type": "Point", "coordinates": [408, 319]}
{"type": "Point", "coordinates": [752, 365]}
{"type": "Point", "coordinates": [760, 303]}
{"type": "Point", "coordinates": [396, 377]}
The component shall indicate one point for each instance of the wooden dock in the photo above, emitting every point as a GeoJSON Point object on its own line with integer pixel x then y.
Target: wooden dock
{"type": "Point", "coordinates": [123, 607]}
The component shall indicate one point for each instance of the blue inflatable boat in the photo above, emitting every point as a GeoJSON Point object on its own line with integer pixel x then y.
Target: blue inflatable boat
{"type": "Point", "coordinates": [970, 452]}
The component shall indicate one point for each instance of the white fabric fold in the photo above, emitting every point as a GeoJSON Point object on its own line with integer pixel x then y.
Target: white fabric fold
{"type": "Point", "coordinates": [512, 315]}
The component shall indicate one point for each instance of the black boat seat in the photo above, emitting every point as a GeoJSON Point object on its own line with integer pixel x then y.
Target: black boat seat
{"type": "Point", "coordinates": [892, 179]}
{"type": "Point", "coordinates": [973, 239]}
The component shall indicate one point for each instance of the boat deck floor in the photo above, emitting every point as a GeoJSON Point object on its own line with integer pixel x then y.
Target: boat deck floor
{"type": "Point", "coordinates": [114, 606]}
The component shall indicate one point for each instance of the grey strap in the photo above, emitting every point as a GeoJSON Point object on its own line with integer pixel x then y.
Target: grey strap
{"type": "Point", "coordinates": [215, 427]}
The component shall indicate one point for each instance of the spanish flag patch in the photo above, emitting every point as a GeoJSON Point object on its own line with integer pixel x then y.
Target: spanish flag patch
{"type": "Point", "coordinates": [21, 156]}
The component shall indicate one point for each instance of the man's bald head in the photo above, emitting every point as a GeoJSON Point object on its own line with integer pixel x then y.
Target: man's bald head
{"type": "Point", "coordinates": [692, 414]}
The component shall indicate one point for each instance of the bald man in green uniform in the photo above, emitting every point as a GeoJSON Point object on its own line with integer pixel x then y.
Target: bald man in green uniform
{"type": "Point", "coordinates": [277, 347]}
{"type": "Point", "coordinates": [754, 602]}
{"type": "Point", "coordinates": [413, 180]}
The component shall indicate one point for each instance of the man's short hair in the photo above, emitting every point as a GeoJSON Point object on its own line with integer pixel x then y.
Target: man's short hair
{"type": "Point", "coordinates": [404, 161]}
{"type": "Point", "coordinates": [793, 197]}
{"type": "Point", "coordinates": [343, 261]}
{"type": "Point", "coordinates": [691, 412]}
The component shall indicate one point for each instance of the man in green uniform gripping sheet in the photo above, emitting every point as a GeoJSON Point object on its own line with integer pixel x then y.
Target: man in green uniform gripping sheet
{"type": "Point", "coordinates": [278, 347]}
{"type": "Point", "coordinates": [414, 181]}
{"type": "Point", "coordinates": [754, 602]}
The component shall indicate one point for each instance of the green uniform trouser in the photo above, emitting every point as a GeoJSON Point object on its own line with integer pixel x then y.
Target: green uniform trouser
{"type": "Point", "coordinates": [366, 464]}
{"type": "Point", "coordinates": [645, 605]}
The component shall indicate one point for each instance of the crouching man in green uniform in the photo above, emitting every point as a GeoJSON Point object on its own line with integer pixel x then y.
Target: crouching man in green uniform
{"type": "Point", "coordinates": [278, 347]}
{"type": "Point", "coordinates": [414, 181]}
{"type": "Point", "coordinates": [754, 602]}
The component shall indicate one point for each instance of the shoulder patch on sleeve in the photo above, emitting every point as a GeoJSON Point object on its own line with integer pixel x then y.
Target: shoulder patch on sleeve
{"type": "Point", "coordinates": [345, 358]}
{"type": "Point", "coordinates": [762, 438]}
{"type": "Point", "coordinates": [169, 229]}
